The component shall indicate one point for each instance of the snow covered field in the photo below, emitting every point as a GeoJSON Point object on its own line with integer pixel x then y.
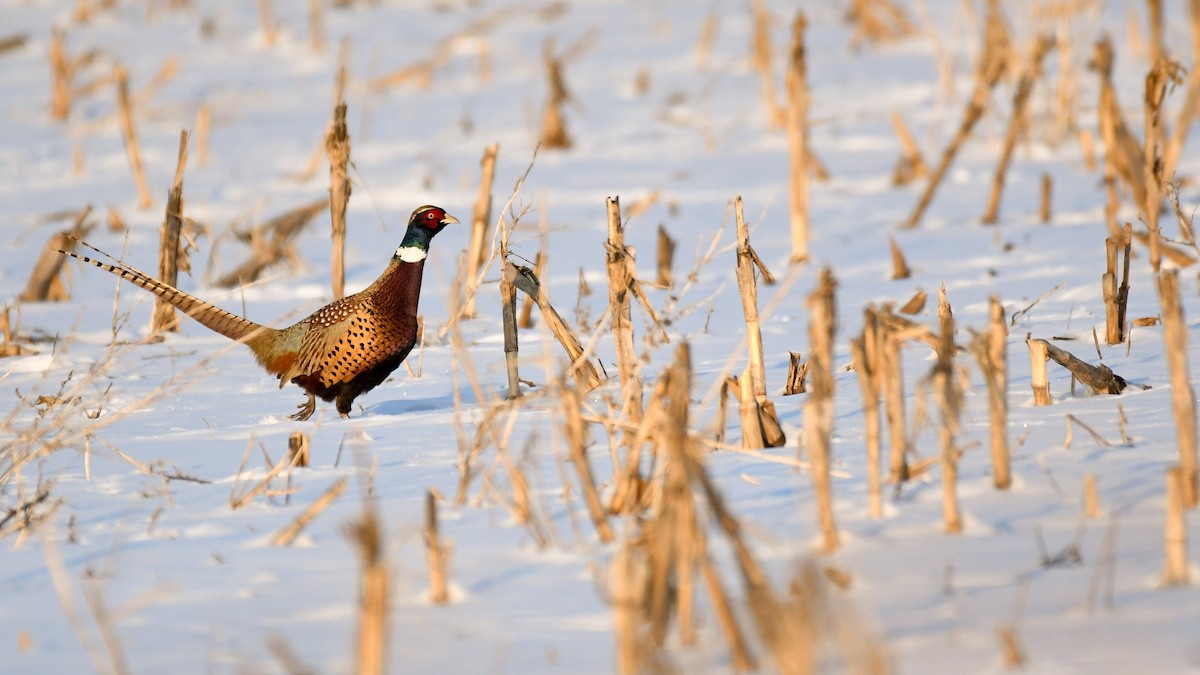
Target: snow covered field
{"type": "Point", "coordinates": [135, 558]}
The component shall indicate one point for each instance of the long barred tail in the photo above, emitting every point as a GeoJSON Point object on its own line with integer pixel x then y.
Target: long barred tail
{"type": "Point", "coordinates": [213, 317]}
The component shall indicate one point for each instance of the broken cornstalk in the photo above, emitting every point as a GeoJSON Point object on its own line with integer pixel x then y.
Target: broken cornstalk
{"type": "Point", "coordinates": [437, 553]}
{"type": "Point", "coordinates": [797, 131]}
{"type": "Point", "coordinates": [576, 435]}
{"type": "Point", "coordinates": [760, 424]}
{"type": "Point", "coordinates": [1182, 397]}
{"type": "Point", "coordinates": [665, 257]}
{"type": "Point", "coordinates": [991, 351]}
{"type": "Point", "coordinates": [481, 215]}
{"type": "Point", "coordinates": [1033, 70]}
{"type": "Point", "coordinates": [991, 68]}
{"type": "Point", "coordinates": [621, 281]}
{"type": "Point", "coordinates": [169, 251]}
{"type": "Point", "coordinates": [508, 313]}
{"type": "Point", "coordinates": [581, 368]}
{"type": "Point", "coordinates": [949, 401]}
{"type": "Point", "coordinates": [131, 144]}
{"type": "Point", "coordinates": [1100, 378]}
{"type": "Point", "coordinates": [892, 383]}
{"type": "Point", "coordinates": [818, 409]}
{"type": "Point", "coordinates": [1175, 571]}
{"type": "Point", "coordinates": [865, 352]}
{"type": "Point", "coordinates": [1116, 297]}
{"type": "Point", "coordinates": [45, 280]}
{"type": "Point", "coordinates": [337, 146]}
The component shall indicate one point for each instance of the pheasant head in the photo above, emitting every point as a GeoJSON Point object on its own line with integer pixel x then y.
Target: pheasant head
{"type": "Point", "coordinates": [425, 222]}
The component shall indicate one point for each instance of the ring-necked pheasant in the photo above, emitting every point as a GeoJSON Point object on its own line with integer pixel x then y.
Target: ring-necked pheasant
{"type": "Point", "coordinates": [342, 350]}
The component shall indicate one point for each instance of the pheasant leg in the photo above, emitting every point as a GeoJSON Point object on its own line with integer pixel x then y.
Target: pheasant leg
{"type": "Point", "coordinates": [306, 409]}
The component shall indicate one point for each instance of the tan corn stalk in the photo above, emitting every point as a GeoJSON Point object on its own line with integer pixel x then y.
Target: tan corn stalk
{"type": "Point", "coordinates": [818, 409]}
{"type": "Point", "coordinates": [337, 146]}
{"type": "Point", "coordinates": [169, 250]}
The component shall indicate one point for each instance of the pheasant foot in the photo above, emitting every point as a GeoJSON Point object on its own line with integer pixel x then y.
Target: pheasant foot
{"type": "Point", "coordinates": [306, 409]}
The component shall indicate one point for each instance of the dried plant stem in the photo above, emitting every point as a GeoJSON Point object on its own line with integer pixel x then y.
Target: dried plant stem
{"type": "Point", "coordinates": [627, 601]}
{"type": "Point", "coordinates": [1100, 378]}
{"type": "Point", "coordinates": [892, 383]}
{"type": "Point", "coordinates": [1175, 544]}
{"type": "Point", "coordinates": [911, 164]}
{"type": "Point", "coordinates": [1182, 397]}
{"type": "Point", "coordinates": [818, 409]}
{"type": "Point", "coordinates": [316, 26]}
{"type": "Point", "coordinates": [298, 449]}
{"type": "Point", "coordinates": [900, 268]}
{"type": "Point", "coordinates": [1032, 72]}
{"type": "Point", "coordinates": [1039, 379]}
{"type": "Point", "coordinates": [865, 352]}
{"type": "Point", "coordinates": [237, 501]}
{"type": "Point", "coordinates": [797, 375]}
{"type": "Point", "coordinates": [743, 660]}
{"type": "Point", "coordinates": [621, 278]}
{"type": "Point", "coordinates": [665, 257]}
{"type": "Point", "coordinates": [288, 534]}
{"type": "Point", "coordinates": [581, 368]}
{"type": "Point", "coordinates": [1154, 26]}
{"type": "Point", "coordinates": [554, 127]}
{"type": "Point", "coordinates": [986, 79]}
{"type": "Point", "coordinates": [1123, 155]}
{"type": "Point", "coordinates": [337, 146]}
{"type": "Point", "coordinates": [758, 413]}
{"type": "Point", "coordinates": [1091, 502]}
{"type": "Point", "coordinates": [949, 402]}
{"type": "Point", "coordinates": [576, 435]}
{"type": "Point", "coordinates": [1113, 333]}
{"type": "Point", "coordinates": [761, 54]}
{"type": "Point", "coordinates": [271, 242]}
{"type": "Point", "coordinates": [630, 485]}
{"type": "Point", "coordinates": [437, 553]}
{"type": "Point", "coordinates": [132, 151]}
{"type": "Point", "coordinates": [203, 124]}
{"type": "Point", "coordinates": [266, 16]}
{"type": "Point", "coordinates": [45, 280]}
{"type": "Point", "coordinates": [61, 70]}
{"type": "Point", "coordinates": [169, 251]}
{"type": "Point", "coordinates": [678, 518]}
{"type": "Point", "coordinates": [525, 318]}
{"type": "Point", "coordinates": [878, 21]}
{"type": "Point", "coordinates": [481, 215]}
{"type": "Point", "coordinates": [1045, 210]}
{"type": "Point", "coordinates": [1161, 75]}
{"type": "Point", "coordinates": [991, 351]}
{"type": "Point", "coordinates": [797, 130]}
{"type": "Point", "coordinates": [1013, 655]}
{"type": "Point", "coordinates": [371, 652]}
{"type": "Point", "coordinates": [508, 313]}
{"type": "Point", "coordinates": [103, 658]}
{"type": "Point", "coordinates": [1191, 102]}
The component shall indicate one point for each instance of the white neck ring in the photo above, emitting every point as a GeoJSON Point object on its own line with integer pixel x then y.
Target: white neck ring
{"type": "Point", "coordinates": [411, 254]}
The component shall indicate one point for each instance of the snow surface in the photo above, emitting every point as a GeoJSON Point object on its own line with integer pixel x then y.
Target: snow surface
{"type": "Point", "coordinates": [164, 576]}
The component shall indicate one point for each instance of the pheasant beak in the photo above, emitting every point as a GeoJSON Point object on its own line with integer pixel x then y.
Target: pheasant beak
{"type": "Point", "coordinates": [449, 220]}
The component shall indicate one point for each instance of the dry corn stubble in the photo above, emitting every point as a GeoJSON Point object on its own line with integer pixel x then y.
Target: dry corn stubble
{"type": "Point", "coordinates": [760, 424]}
{"type": "Point", "coordinates": [949, 397]}
{"type": "Point", "coordinates": [481, 215]}
{"type": "Point", "coordinates": [1183, 404]}
{"type": "Point", "coordinates": [337, 146]}
{"type": "Point", "coordinates": [818, 409]}
{"type": "Point", "coordinates": [170, 250]}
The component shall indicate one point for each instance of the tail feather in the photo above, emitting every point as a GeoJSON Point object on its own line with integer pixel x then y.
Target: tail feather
{"type": "Point", "coordinates": [211, 316]}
